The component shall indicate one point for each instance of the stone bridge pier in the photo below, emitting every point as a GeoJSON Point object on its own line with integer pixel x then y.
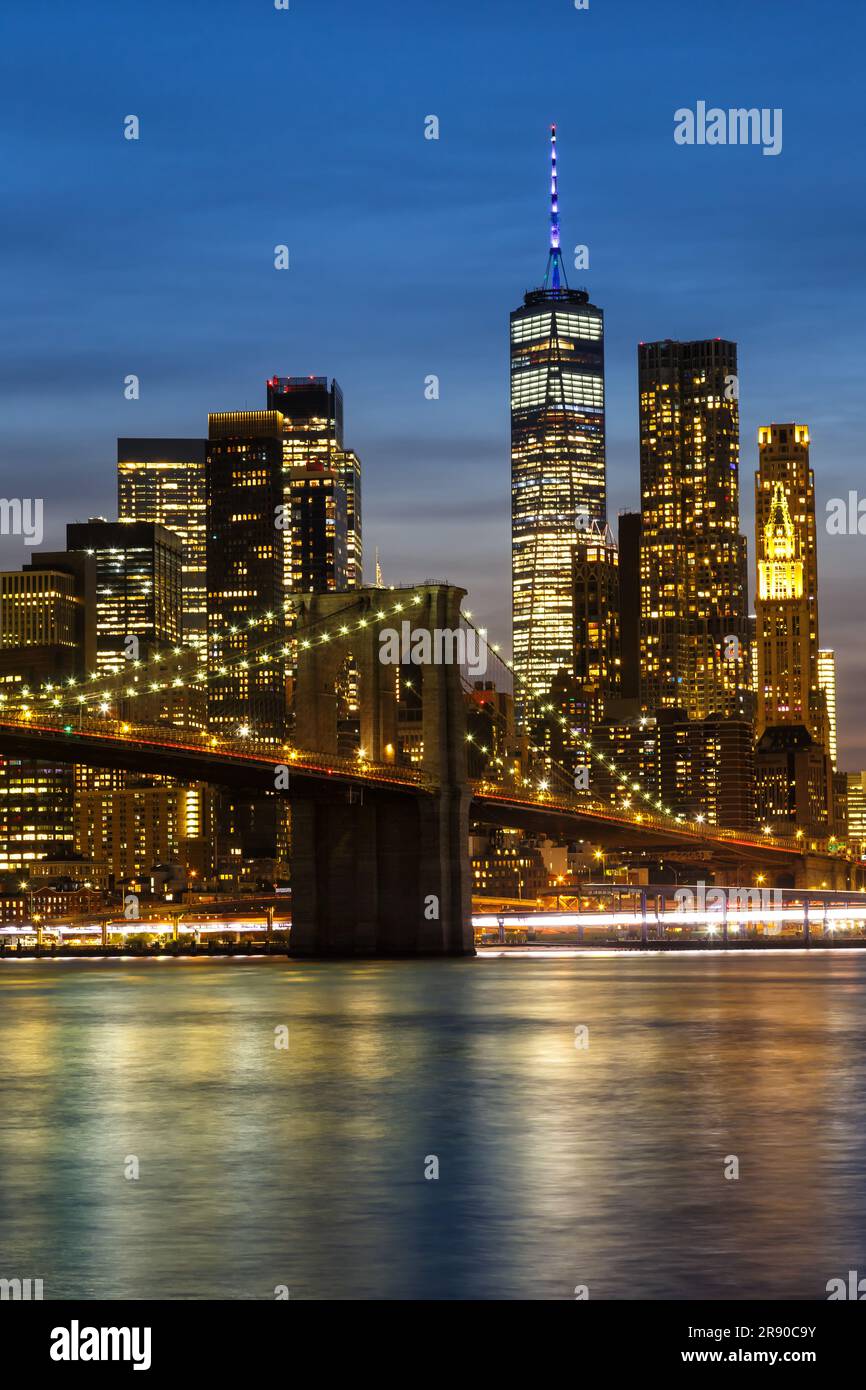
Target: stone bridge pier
{"type": "Point", "coordinates": [381, 871]}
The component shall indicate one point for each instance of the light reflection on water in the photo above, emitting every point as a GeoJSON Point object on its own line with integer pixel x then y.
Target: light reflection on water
{"type": "Point", "coordinates": [558, 1166]}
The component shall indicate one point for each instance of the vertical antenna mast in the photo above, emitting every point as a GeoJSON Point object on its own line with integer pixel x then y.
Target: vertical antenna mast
{"type": "Point", "coordinates": [555, 277]}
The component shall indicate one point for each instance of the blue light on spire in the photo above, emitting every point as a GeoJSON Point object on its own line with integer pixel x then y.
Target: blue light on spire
{"type": "Point", "coordinates": [554, 279]}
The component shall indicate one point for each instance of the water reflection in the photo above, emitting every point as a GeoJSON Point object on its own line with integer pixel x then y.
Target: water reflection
{"type": "Point", "coordinates": [558, 1166]}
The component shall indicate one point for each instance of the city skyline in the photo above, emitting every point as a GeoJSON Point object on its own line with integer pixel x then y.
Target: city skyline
{"type": "Point", "coordinates": [707, 262]}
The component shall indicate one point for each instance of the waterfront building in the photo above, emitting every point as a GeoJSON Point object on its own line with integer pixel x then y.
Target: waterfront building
{"type": "Point", "coordinates": [163, 480]}
{"type": "Point", "coordinates": [557, 460]}
{"type": "Point", "coordinates": [694, 639]}
{"type": "Point", "coordinates": [36, 812]}
{"type": "Point", "coordinates": [855, 785]}
{"type": "Point", "coordinates": [505, 865]}
{"type": "Point", "coordinates": [794, 782]}
{"type": "Point", "coordinates": [137, 827]}
{"type": "Point", "coordinates": [706, 769]}
{"type": "Point", "coordinates": [47, 635]}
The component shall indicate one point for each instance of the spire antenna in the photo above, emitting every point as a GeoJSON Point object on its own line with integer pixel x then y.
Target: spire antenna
{"type": "Point", "coordinates": [555, 278]}
{"type": "Point", "coordinates": [554, 198]}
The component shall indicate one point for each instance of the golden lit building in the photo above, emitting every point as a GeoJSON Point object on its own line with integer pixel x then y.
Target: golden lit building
{"type": "Point", "coordinates": [827, 683]}
{"type": "Point", "coordinates": [693, 624]}
{"type": "Point", "coordinates": [135, 828]}
{"type": "Point", "coordinates": [855, 783]}
{"type": "Point", "coordinates": [557, 461]}
{"type": "Point", "coordinates": [786, 628]}
{"type": "Point", "coordinates": [162, 480]}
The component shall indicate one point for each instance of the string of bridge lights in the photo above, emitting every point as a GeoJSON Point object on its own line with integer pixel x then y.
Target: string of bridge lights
{"type": "Point", "coordinates": [545, 710]}
{"type": "Point", "coordinates": [59, 697]}
{"type": "Point", "coordinates": [62, 697]}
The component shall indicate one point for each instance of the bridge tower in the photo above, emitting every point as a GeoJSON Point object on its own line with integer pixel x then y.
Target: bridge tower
{"type": "Point", "coordinates": [381, 871]}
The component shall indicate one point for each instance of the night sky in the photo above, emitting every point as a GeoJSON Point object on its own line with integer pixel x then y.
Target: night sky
{"type": "Point", "coordinates": [306, 127]}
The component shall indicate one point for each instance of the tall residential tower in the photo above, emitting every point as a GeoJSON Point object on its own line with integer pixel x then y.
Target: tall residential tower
{"type": "Point", "coordinates": [694, 618]}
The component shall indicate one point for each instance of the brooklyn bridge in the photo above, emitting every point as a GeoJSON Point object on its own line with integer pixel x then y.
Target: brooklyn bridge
{"type": "Point", "coordinates": [379, 845]}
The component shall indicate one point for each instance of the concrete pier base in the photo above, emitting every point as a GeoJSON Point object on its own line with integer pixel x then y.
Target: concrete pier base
{"type": "Point", "coordinates": [381, 879]}
{"type": "Point", "coordinates": [387, 873]}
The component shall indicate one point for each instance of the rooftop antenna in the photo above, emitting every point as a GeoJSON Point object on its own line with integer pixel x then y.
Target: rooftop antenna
{"type": "Point", "coordinates": [555, 278]}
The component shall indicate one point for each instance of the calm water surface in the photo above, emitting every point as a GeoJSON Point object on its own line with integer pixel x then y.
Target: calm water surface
{"type": "Point", "coordinates": [558, 1166]}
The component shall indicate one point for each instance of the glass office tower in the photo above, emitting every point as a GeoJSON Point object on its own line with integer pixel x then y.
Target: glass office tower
{"type": "Point", "coordinates": [557, 460]}
{"type": "Point", "coordinates": [162, 480]}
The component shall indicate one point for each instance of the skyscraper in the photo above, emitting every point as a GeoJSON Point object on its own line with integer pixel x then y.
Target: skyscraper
{"type": "Point", "coordinates": [246, 618]}
{"type": "Point", "coordinates": [162, 480]}
{"type": "Point", "coordinates": [557, 459]}
{"type": "Point", "coordinates": [138, 586]}
{"type": "Point", "coordinates": [786, 627]}
{"type": "Point", "coordinates": [827, 683]}
{"type": "Point", "coordinates": [47, 633]}
{"type": "Point", "coordinates": [245, 574]}
{"type": "Point", "coordinates": [629, 603]}
{"type": "Point", "coordinates": [793, 767]}
{"type": "Point", "coordinates": [321, 484]}
{"type": "Point", "coordinates": [694, 632]}
{"type": "Point", "coordinates": [596, 661]}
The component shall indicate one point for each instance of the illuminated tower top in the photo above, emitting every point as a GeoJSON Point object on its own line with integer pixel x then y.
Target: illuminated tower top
{"type": "Point", "coordinates": [780, 572]}
{"type": "Point", "coordinates": [786, 608]}
{"type": "Point", "coordinates": [555, 278]}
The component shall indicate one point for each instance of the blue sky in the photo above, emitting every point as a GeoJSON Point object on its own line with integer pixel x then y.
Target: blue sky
{"type": "Point", "coordinates": [305, 127]}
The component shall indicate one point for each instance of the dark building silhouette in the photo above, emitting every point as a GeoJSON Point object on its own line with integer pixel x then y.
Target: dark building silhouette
{"type": "Point", "coordinates": [794, 785]}
{"type": "Point", "coordinates": [629, 534]}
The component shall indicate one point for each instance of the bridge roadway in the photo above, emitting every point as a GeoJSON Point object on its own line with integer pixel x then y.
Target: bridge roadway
{"type": "Point", "coordinates": [204, 758]}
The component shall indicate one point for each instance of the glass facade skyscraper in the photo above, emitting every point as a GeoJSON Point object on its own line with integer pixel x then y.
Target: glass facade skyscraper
{"type": "Point", "coordinates": [138, 585]}
{"type": "Point", "coordinates": [321, 484]}
{"type": "Point", "coordinates": [162, 480]}
{"type": "Point", "coordinates": [557, 460]}
{"type": "Point", "coordinates": [247, 686]}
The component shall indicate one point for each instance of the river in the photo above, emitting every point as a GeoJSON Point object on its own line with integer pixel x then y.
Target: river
{"type": "Point", "coordinates": [582, 1111]}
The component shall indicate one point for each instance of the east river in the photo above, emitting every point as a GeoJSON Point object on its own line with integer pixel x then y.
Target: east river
{"type": "Point", "coordinates": [636, 1126]}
